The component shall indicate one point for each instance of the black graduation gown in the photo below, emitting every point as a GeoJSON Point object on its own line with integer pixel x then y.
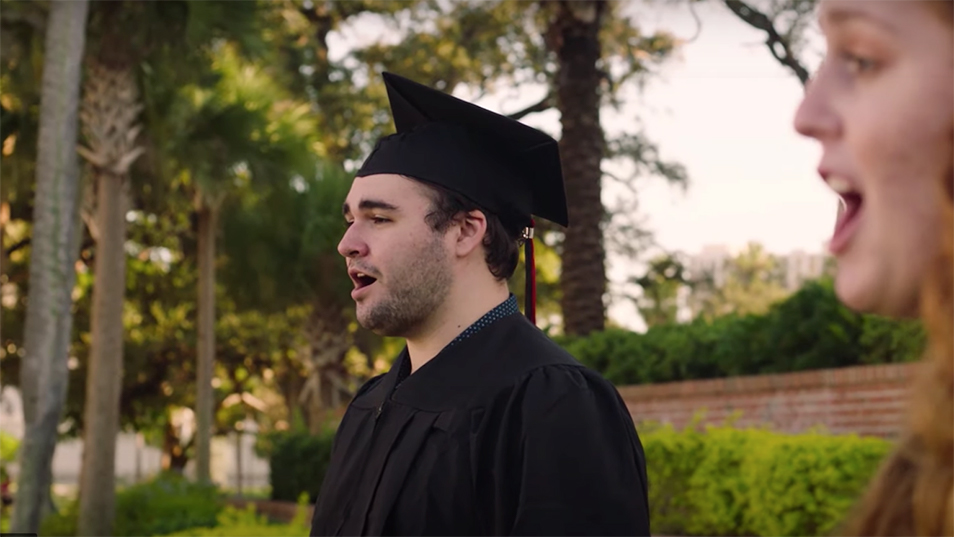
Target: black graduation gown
{"type": "Point", "coordinates": [502, 433]}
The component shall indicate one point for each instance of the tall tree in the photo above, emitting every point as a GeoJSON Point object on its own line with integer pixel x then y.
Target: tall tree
{"type": "Point", "coordinates": [248, 132]}
{"type": "Point", "coordinates": [111, 107]}
{"type": "Point", "coordinates": [112, 126]}
{"type": "Point", "coordinates": [574, 35]}
{"type": "Point", "coordinates": [54, 250]}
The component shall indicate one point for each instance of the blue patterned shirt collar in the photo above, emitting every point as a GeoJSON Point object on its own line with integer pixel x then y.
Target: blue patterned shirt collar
{"type": "Point", "coordinates": [504, 309]}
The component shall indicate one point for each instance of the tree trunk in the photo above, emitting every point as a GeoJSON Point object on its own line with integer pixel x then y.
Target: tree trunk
{"type": "Point", "coordinates": [208, 216]}
{"type": "Point", "coordinates": [55, 247]}
{"type": "Point", "coordinates": [574, 36]}
{"type": "Point", "coordinates": [4, 219]}
{"type": "Point", "coordinates": [326, 387]}
{"type": "Point", "coordinates": [239, 433]}
{"type": "Point", "coordinates": [108, 117]}
{"type": "Point", "coordinates": [291, 383]}
{"type": "Point", "coordinates": [104, 378]}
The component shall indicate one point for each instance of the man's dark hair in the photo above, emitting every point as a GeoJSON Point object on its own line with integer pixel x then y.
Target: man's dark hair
{"type": "Point", "coordinates": [502, 240]}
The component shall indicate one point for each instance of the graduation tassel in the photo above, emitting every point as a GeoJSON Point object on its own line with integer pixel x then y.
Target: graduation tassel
{"type": "Point", "coordinates": [530, 293]}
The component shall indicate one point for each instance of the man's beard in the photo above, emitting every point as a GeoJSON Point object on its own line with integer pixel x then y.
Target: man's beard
{"type": "Point", "coordinates": [414, 293]}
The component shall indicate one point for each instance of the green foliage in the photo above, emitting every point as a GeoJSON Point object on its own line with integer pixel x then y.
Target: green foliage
{"type": "Point", "coordinates": [809, 330]}
{"type": "Point", "coordinates": [805, 484]}
{"type": "Point", "coordinates": [660, 284]}
{"type": "Point", "coordinates": [728, 481]}
{"type": "Point", "coordinates": [298, 462]}
{"type": "Point", "coordinates": [890, 340]}
{"type": "Point", "coordinates": [234, 522]}
{"type": "Point", "coordinates": [282, 244]}
{"type": "Point", "coordinates": [8, 452]}
{"type": "Point", "coordinates": [671, 460]}
{"type": "Point", "coordinates": [8, 446]}
{"type": "Point", "coordinates": [718, 492]}
{"type": "Point", "coordinates": [166, 504]}
{"type": "Point", "coordinates": [753, 283]}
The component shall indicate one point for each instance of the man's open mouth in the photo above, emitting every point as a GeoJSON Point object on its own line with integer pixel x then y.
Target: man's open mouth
{"type": "Point", "coordinates": [361, 279]}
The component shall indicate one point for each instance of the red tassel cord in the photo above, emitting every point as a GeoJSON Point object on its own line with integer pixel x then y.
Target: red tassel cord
{"type": "Point", "coordinates": [531, 280]}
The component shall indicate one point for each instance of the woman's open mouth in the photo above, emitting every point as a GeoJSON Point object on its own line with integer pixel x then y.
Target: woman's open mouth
{"type": "Point", "coordinates": [848, 221]}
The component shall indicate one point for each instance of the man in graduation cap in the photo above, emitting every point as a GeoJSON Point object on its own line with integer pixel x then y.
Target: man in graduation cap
{"type": "Point", "coordinates": [483, 426]}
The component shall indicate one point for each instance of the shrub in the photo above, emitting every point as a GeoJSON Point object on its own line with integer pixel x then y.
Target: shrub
{"type": "Point", "coordinates": [718, 490]}
{"type": "Point", "coordinates": [163, 505]}
{"type": "Point", "coordinates": [671, 459]}
{"type": "Point", "coordinates": [299, 461]}
{"type": "Point", "coordinates": [805, 484]}
{"type": "Point", "coordinates": [728, 481]}
{"type": "Point", "coordinates": [234, 522]}
{"type": "Point", "coordinates": [809, 330]}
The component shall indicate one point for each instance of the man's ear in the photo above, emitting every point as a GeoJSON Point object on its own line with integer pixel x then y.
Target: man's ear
{"type": "Point", "coordinates": [473, 228]}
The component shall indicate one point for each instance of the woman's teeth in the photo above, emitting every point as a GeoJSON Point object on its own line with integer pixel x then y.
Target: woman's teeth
{"type": "Point", "coordinates": [840, 185]}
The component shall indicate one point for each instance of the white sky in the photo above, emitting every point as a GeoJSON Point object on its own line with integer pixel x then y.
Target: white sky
{"type": "Point", "coordinates": [723, 108]}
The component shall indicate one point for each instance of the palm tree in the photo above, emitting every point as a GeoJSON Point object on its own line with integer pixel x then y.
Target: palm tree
{"type": "Point", "coordinates": [109, 116]}
{"type": "Point", "coordinates": [574, 35]}
{"type": "Point", "coordinates": [54, 249]}
{"type": "Point", "coordinates": [112, 103]}
{"type": "Point", "coordinates": [245, 130]}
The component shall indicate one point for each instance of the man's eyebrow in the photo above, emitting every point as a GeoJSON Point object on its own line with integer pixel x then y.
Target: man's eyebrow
{"type": "Point", "coordinates": [369, 204]}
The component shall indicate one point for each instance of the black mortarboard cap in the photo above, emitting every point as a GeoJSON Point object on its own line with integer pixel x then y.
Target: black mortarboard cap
{"type": "Point", "coordinates": [502, 165]}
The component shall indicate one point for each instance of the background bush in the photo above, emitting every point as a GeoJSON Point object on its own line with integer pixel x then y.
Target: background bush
{"type": "Point", "coordinates": [728, 481]}
{"type": "Point", "coordinates": [246, 522]}
{"type": "Point", "coordinates": [809, 330]}
{"type": "Point", "coordinates": [164, 505]}
{"type": "Point", "coordinates": [298, 461]}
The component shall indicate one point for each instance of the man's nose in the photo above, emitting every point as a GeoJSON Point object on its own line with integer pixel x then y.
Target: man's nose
{"type": "Point", "coordinates": [351, 244]}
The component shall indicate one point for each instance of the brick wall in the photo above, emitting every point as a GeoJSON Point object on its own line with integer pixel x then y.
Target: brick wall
{"type": "Point", "coordinates": [868, 400]}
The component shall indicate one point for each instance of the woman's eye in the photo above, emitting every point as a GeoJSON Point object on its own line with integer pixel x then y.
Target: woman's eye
{"type": "Point", "coordinates": [858, 65]}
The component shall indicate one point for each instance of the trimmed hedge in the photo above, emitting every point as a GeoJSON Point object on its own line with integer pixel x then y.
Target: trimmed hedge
{"type": "Point", "coordinates": [727, 481]}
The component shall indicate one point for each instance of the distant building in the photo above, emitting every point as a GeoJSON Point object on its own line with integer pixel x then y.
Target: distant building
{"type": "Point", "coordinates": [710, 262]}
{"type": "Point", "coordinates": [799, 267]}
{"type": "Point", "coordinates": [795, 268]}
